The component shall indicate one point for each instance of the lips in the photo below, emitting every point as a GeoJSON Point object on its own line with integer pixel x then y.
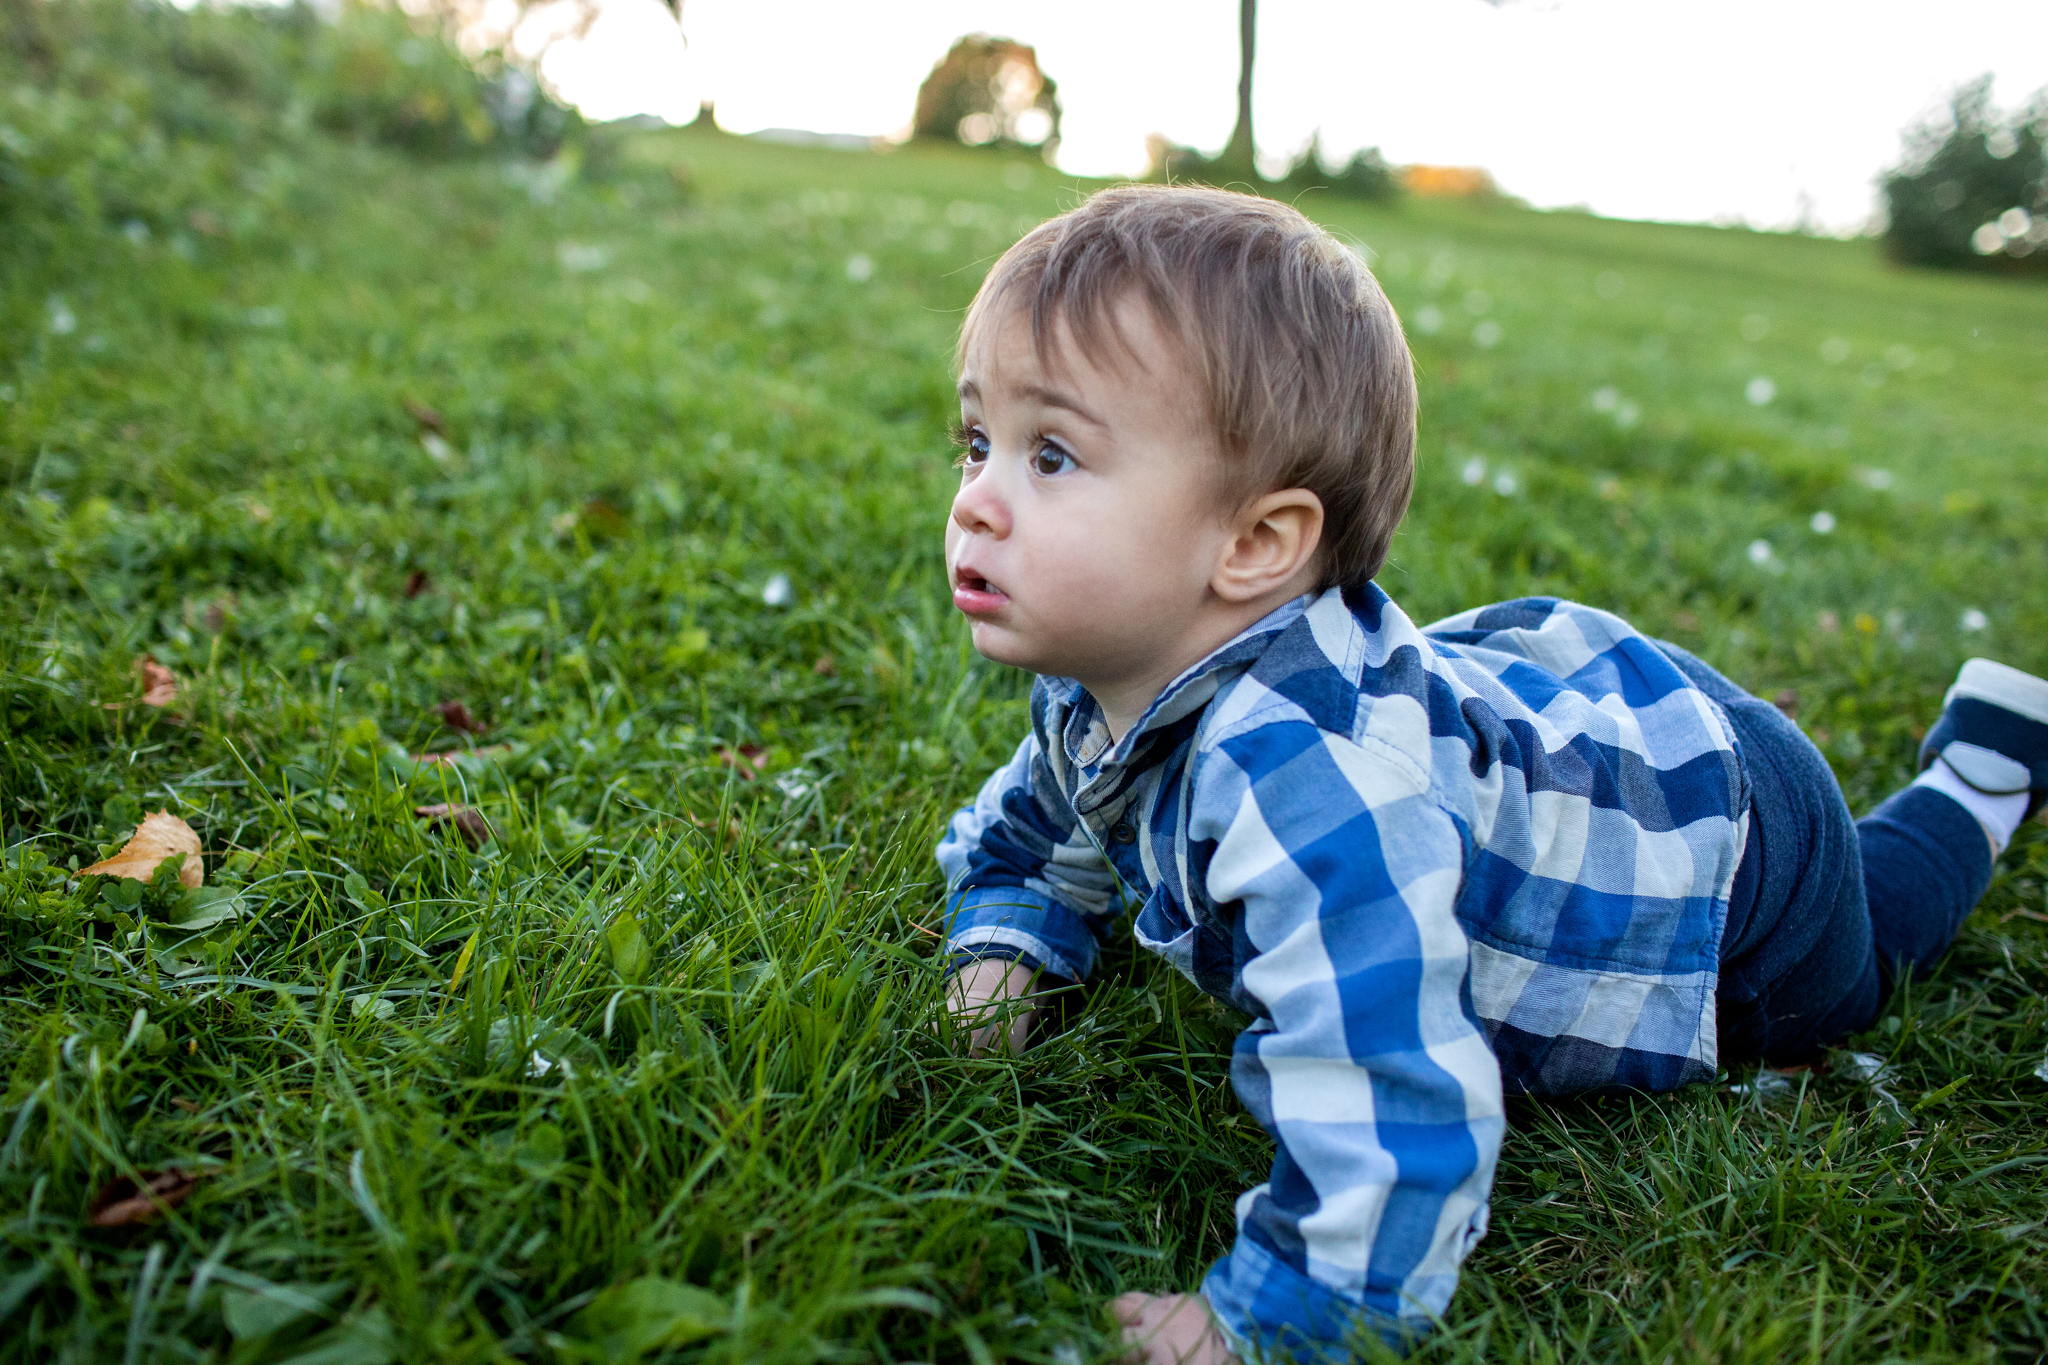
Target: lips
{"type": "Point", "coordinates": [975, 595]}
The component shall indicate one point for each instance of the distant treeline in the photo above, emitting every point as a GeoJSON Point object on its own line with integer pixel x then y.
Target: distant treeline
{"type": "Point", "coordinates": [1973, 188]}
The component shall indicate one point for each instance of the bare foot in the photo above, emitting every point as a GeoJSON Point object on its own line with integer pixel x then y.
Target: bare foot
{"type": "Point", "coordinates": [1171, 1329]}
{"type": "Point", "coordinates": [987, 999]}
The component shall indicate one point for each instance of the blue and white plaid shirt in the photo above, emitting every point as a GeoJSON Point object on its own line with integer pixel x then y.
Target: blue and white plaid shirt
{"type": "Point", "coordinates": [1432, 865]}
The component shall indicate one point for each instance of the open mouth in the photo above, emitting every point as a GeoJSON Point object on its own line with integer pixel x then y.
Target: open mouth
{"type": "Point", "coordinates": [975, 595]}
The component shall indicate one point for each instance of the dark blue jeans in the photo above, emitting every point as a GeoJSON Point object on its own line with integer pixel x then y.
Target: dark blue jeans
{"type": "Point", "coordinates": [1828, 912]}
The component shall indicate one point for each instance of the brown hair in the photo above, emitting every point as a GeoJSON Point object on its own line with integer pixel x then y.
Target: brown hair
{"type": "Point", "coordinates": [1307, 376]}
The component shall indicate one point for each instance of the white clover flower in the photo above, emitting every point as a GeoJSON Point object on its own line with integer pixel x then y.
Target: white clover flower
{"type": "Point", "coordinates": [1474, 472]}
{"type": "Point", "coordinates": [776, 593]}
{"type": "Point", "coordinates": [1973, 620]}
{"type": "Point", "coordinates": [1486, 335]}
{"type": "Point", "coordinates": [1505, 484]}
{"type": "Point", "coordinates": [1759, 552]}
{"type": "Point", "coordinates": [1823, 522]}
{"type": "Point", "coordinates": [1760, 390]}
{"type": "Point", "coordinates": [580, 259]}
{"type": "Point", "coordinates": [860, 268]}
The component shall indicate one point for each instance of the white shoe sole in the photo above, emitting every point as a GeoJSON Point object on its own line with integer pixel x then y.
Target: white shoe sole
{"type": "Point", "coordinates": [2002, 685]}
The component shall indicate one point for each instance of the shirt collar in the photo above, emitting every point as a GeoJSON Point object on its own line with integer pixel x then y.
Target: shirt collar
{"type": "Point", "coordinates": [1085, 733]}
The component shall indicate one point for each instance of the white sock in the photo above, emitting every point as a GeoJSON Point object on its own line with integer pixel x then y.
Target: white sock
{"type": "Point", "coordinates": [2000, 815]}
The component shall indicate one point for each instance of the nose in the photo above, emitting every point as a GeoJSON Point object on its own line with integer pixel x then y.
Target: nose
{"type": "Point", "coordinates": [979, 508]}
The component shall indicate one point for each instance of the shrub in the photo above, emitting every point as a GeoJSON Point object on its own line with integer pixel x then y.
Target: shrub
{"type": "Point", "coordinates": [135, 115]}
{"type": "Point", "coordinates": [1365, 176]}
{"type": "Point", "coordinates": [1972, 189]}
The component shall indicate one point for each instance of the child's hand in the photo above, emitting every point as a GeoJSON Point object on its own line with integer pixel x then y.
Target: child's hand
{"type": "Point", "coordinates": [979, 991]}
{"type": "Point", "coordinates": [1171, 1329]}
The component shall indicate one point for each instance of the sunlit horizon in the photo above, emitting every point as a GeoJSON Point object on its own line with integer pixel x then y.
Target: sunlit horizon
{"type": "Point", "coordinates": [1774, 115]}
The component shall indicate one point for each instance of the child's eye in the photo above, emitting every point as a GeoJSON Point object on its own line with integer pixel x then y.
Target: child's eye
{"type": "Point", "coordinates": [973, 444]}
{"type": "Point", "coordinates": [1050, 459]}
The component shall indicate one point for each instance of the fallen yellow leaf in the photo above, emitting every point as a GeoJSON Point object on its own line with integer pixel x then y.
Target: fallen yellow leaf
{"type": "Point", "coordinates": [462, 962]}
{"type": "Point", "coordinates": [447, 757]}
{"type": "Point", "coordinates": [155, 839]}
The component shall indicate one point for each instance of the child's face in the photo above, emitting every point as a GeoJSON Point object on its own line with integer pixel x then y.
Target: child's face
{"type": "Point", "coordinates": [1087, 527]}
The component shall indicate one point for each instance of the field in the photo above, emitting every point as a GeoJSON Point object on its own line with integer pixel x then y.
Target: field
{"type": "Point", "coordinates": [647, 469]}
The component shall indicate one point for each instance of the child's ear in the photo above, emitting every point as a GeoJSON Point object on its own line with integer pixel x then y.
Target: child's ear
{"type": "Point", "coordinates": [1273, 543]}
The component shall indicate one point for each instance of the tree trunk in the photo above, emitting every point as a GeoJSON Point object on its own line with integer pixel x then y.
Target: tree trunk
{"type": "Point", "coordinates": [1240, 158]}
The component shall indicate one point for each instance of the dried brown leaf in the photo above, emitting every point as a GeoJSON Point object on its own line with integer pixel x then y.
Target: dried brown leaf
{"type": "Point", "coordinates": [456, 717]}
{"type": "Point", "coordinates": [600, 519]}
{"type": "Point", "coordinates": [122, 1202]}
{"type": "Point", "coordinates": [428, 419]}
{"type": "Point", "coordinates": [468, 819]}
{"type": "Point", "coordinates": [159, 684]}
{"type": "Point", "coordinates": [748, 759]}
{"type": "Point", "coordinates": [729, 832]}
{"type": "Point", "coordinates": [416, 583]}
{"type": "Point", "coordinates": [826, 666]}
{"type": "Point", "coordinates": [155, 839]}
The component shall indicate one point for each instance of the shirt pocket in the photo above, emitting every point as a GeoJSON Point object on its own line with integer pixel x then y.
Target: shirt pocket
{"type": "Point", "coordinates": [1162, 928]}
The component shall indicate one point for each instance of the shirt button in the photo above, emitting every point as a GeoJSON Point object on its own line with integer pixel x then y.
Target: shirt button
{"type": "Point", "coordinates": [1122, 832]}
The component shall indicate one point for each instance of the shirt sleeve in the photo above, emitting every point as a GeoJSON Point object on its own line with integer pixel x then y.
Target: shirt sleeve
{"type": "Point", "coordinates": [1366, 1065]}
{"type": "Point", "coordinates": [1023, 879]}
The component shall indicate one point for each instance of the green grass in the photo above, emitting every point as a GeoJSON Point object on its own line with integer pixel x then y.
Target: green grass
{"type": "Point", "coordinates": [694, 1031]}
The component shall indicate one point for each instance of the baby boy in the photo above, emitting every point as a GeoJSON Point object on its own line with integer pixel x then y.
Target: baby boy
{"type": "Point", "coordinates": [1527, 849]}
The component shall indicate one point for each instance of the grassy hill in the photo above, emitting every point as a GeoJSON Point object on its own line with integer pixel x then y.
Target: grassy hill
{"type": "Point", "coordinates": [645, 466]}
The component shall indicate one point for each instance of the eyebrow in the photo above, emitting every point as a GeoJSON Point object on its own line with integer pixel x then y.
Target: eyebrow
{"type": "Point", "coordinates": [1044, 397]}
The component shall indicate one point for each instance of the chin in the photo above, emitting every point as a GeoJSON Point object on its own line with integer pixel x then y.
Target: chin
{"type": "Point", "coordinates": [1001, 646]}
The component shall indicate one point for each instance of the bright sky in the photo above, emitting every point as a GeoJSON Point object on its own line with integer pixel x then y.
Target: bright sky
{"type": "Point", "coordinates": [1690, 110]}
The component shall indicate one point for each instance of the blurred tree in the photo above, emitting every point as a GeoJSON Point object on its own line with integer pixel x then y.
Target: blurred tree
{"type": "Point", "coordinates": [1972, 189]}
{"type": "Point", "coordinates": [989, 92]}
{"type": "Point", "coordinates": [1240, 157]}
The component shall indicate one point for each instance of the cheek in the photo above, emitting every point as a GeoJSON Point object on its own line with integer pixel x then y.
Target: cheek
{"type": "Point", "coordinates": [1171, 556]}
